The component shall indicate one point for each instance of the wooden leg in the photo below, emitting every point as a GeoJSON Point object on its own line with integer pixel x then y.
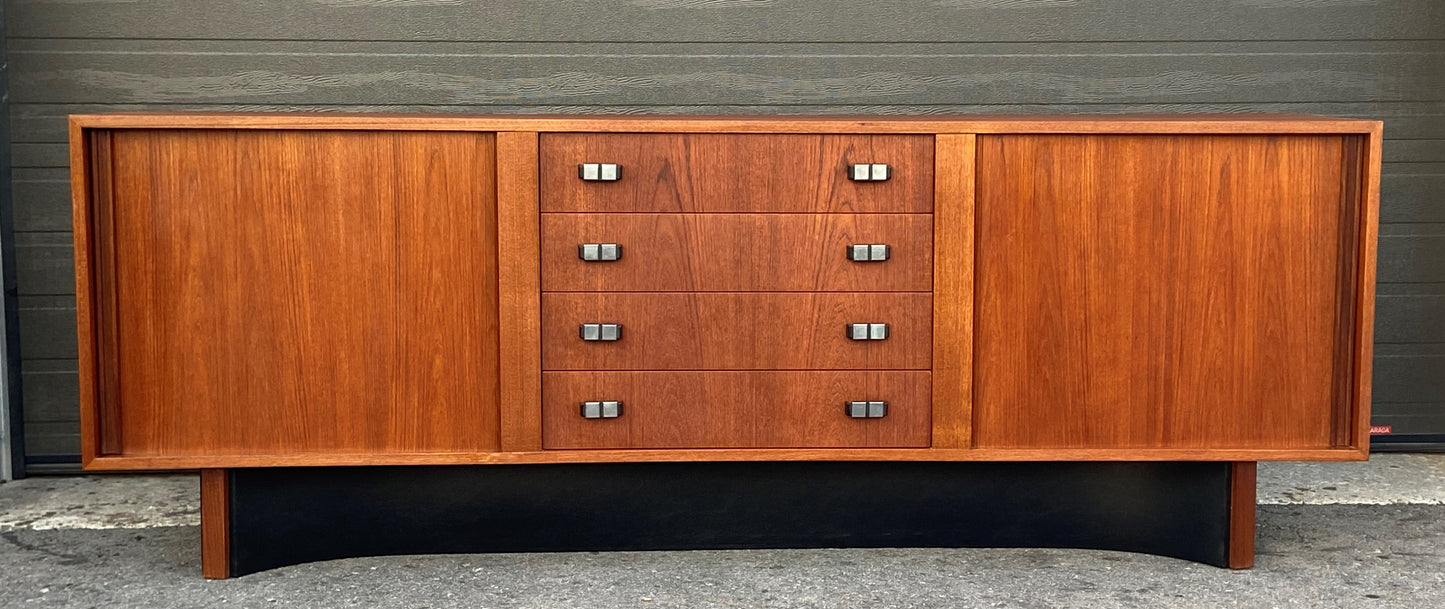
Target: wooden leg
{"type": "Point", "coordinates": [215, 524]}
{"type": "Point", "coordinates": [1241, 514]}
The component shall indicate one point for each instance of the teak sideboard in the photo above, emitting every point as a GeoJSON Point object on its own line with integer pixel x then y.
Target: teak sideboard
{"type": "Point", "coordinates": [262, 295]}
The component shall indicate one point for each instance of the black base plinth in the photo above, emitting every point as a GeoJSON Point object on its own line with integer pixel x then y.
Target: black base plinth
{"type": "Point", "coordinates": [286, 516]}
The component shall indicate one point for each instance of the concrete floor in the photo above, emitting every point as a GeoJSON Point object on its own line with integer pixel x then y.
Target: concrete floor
{"type": "Point", "coordinates": [1330, 535]}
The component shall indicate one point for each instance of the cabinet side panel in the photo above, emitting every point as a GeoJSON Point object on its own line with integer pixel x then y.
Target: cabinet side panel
{"type": "Point", "coordinates": [304, 292]}
{"type": "Point", "coordinates": [1158, 291]}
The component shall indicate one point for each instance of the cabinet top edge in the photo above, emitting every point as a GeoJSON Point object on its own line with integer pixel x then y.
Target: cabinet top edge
{"type": "Point", "coordinates": [914, 124]}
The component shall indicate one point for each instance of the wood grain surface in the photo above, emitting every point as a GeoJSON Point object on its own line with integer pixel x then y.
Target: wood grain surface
{"type": "Point", "coordinates": [734, 409]}
{"type": "Point", "coordinates": [737, 252]}
{"type": "Point", "coordinates": [736, 331]}
{"type": "Point", "coordinates": [518, 286]}
{"type": "Point", "coordinates": [282, 292]}
{"type": "Point", "coordinates": [655, 455]}
{"type": "Point", "coordinates": [711, 172]}
{"type": "Point", "coordinates": [953, 291]}
{"type": "Point", "coordinates": [1242, 508]}
{"type": "Point", "coordinates": [1139, 291]}
{"type": "Point", "coordinates": [215, 523]}
{"type": "Point", "coordinates": [1120, 123]}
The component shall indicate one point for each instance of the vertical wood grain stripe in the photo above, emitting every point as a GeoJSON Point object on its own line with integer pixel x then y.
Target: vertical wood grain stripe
{"type": "Point", "coordinates": [84, 282]}
{"type": "Point", "coordinates": [1365, 307]}
{"type": "Point", "coordinates": [106, 301]}
{"type": "Point", "coordinates": [215, 524]}
{"type": "Point", "coordinates": [1342, 398]}
{"type": "Point", "coordinates": [519, 289]}
{"type": "Point", "coordinates": [953, 200]}
{"type": "Point", "coordinates": [1241, 513]}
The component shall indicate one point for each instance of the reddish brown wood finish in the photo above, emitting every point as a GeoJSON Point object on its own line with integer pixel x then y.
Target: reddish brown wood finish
{"type": "Point", "coordinates": [737, 252]}
{"type": "Point", "coordinates": [519, 284]}
{"type": "Point", "coordinates": [711, 172]}
{"type": "Point", "coordinates": [301, 292]}
{"type": "Point", "coordinates": [729, 454]}
{"type": "Point", "coordinates": [734, 409]}
{"type": "Point", "coordinates": [1169, 292]}
{"type": "Point", "coordinates": [1364, 334]}
{"type": "Point", "coordinates": [953, 292]}
{"type": "Point", "coordinates": [920, 124]}
{"type": "Point", "coordinates": [736, 331]}
{"type": "Point", "coordinates": [99, 298]}
{"type": "Point", "coordinates": [215, 523]}
{"type": "Point", "coordinates": [1242, 508]}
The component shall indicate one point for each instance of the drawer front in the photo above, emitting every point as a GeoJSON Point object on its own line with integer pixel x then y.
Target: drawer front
{"type": "Point", "coordinates": [737, 331]}
{"type": "Point", "coordinates": [738, 252]}
{"type": "Point", "coordinates": [724, 409]}
{"type": "Point", "coordinates": [736, 173]}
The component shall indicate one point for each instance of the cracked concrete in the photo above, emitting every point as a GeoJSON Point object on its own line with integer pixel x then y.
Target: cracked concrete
{"type": "Point", "coordinates": [1330, 535]}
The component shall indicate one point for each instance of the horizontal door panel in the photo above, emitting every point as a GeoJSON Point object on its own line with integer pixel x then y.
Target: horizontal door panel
{"type": "Point", "coordinates": [728, 331]}
{"type": "Point", "coordinates": [735, 409]}
{"type": "Point", "coordinates": [710, 172]}
{"type": "Point", "coordinates": [738, 252]}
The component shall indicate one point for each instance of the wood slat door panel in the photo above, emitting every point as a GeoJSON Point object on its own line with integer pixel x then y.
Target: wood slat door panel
{"type": "Point", "coordinates": [735, 409]}
{"type": "Point", "coordinates": [712, 172]}
{"type": "Point", "coordinates": [282, 292]}
{"type": "Point", "coordinates": [1163, 291]}
{"type": "Point", "coordinates": [732, 331]}
{"type": "Point", "coordinates": [738, 252]}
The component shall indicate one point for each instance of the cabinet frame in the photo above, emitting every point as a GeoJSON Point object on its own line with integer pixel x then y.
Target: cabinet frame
{"type": "Point", "coordinates": [518, 257]}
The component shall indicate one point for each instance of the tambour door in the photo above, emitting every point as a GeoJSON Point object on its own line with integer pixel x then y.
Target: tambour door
{"type": "Point", "coordinates": [1152, 291]}
{"type": "Point", "coordinates": [285, 292]}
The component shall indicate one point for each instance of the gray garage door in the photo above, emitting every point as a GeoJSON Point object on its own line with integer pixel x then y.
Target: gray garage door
{"type": "Point", "coordinates": [1363, 58]}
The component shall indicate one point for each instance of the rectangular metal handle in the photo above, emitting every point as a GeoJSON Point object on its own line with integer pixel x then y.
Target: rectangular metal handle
{"type": "Point", "coordinates": [868, 331]}
{"type": "Point", "coordinates": [868, 172]}
{"type": "Point", "coordinates": [601, 410]}
{"type": "Point", "coordinates": [867, 410]}
{"type": "Point", "coordinates": [600, 332]}
{"type": "Point", "coordinates": [599, 172]}
{"type": "Point", "coordinates": [599, 252]}
{"type": "Point", "coordinates": [868, 252]}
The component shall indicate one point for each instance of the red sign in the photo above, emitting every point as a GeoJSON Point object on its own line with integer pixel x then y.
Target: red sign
{"type": "Point", "coordinates": [1381, 430]}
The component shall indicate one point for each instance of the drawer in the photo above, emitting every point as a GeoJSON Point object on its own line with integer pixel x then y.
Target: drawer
{"type": "Point", "coordinates": [738, 252]}
{"type": "Point", "coordinates": [725, 409]}
{"type": "Point", "coordinates": [711, 172]}
{"type": "Point", "coordinates": [737, 331]}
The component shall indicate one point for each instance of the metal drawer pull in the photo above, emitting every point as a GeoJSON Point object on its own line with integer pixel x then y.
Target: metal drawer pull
{"type": "Point", "coordinates": [867, 410]}
{"type": "Point", "coordinates": [868, 252]}
{"type": "Point", "coordinates": [601, 410]}
{"type": "Point", "coordinates": [868, 172]}
{"type": "Point", "coordinates": [867, 331]}
{"type": "Point", "coordinates": [600, 332]}
{"type": "Point", "coordinates": [599, 172]}
{"type": "Point", "coordinates": [599, 252]}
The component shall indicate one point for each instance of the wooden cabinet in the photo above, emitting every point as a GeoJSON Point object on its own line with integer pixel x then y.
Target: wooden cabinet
{"type": "Point", "coordinates": [265, 290]}
{"type": "Point", "coordinates": [286, 289]}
